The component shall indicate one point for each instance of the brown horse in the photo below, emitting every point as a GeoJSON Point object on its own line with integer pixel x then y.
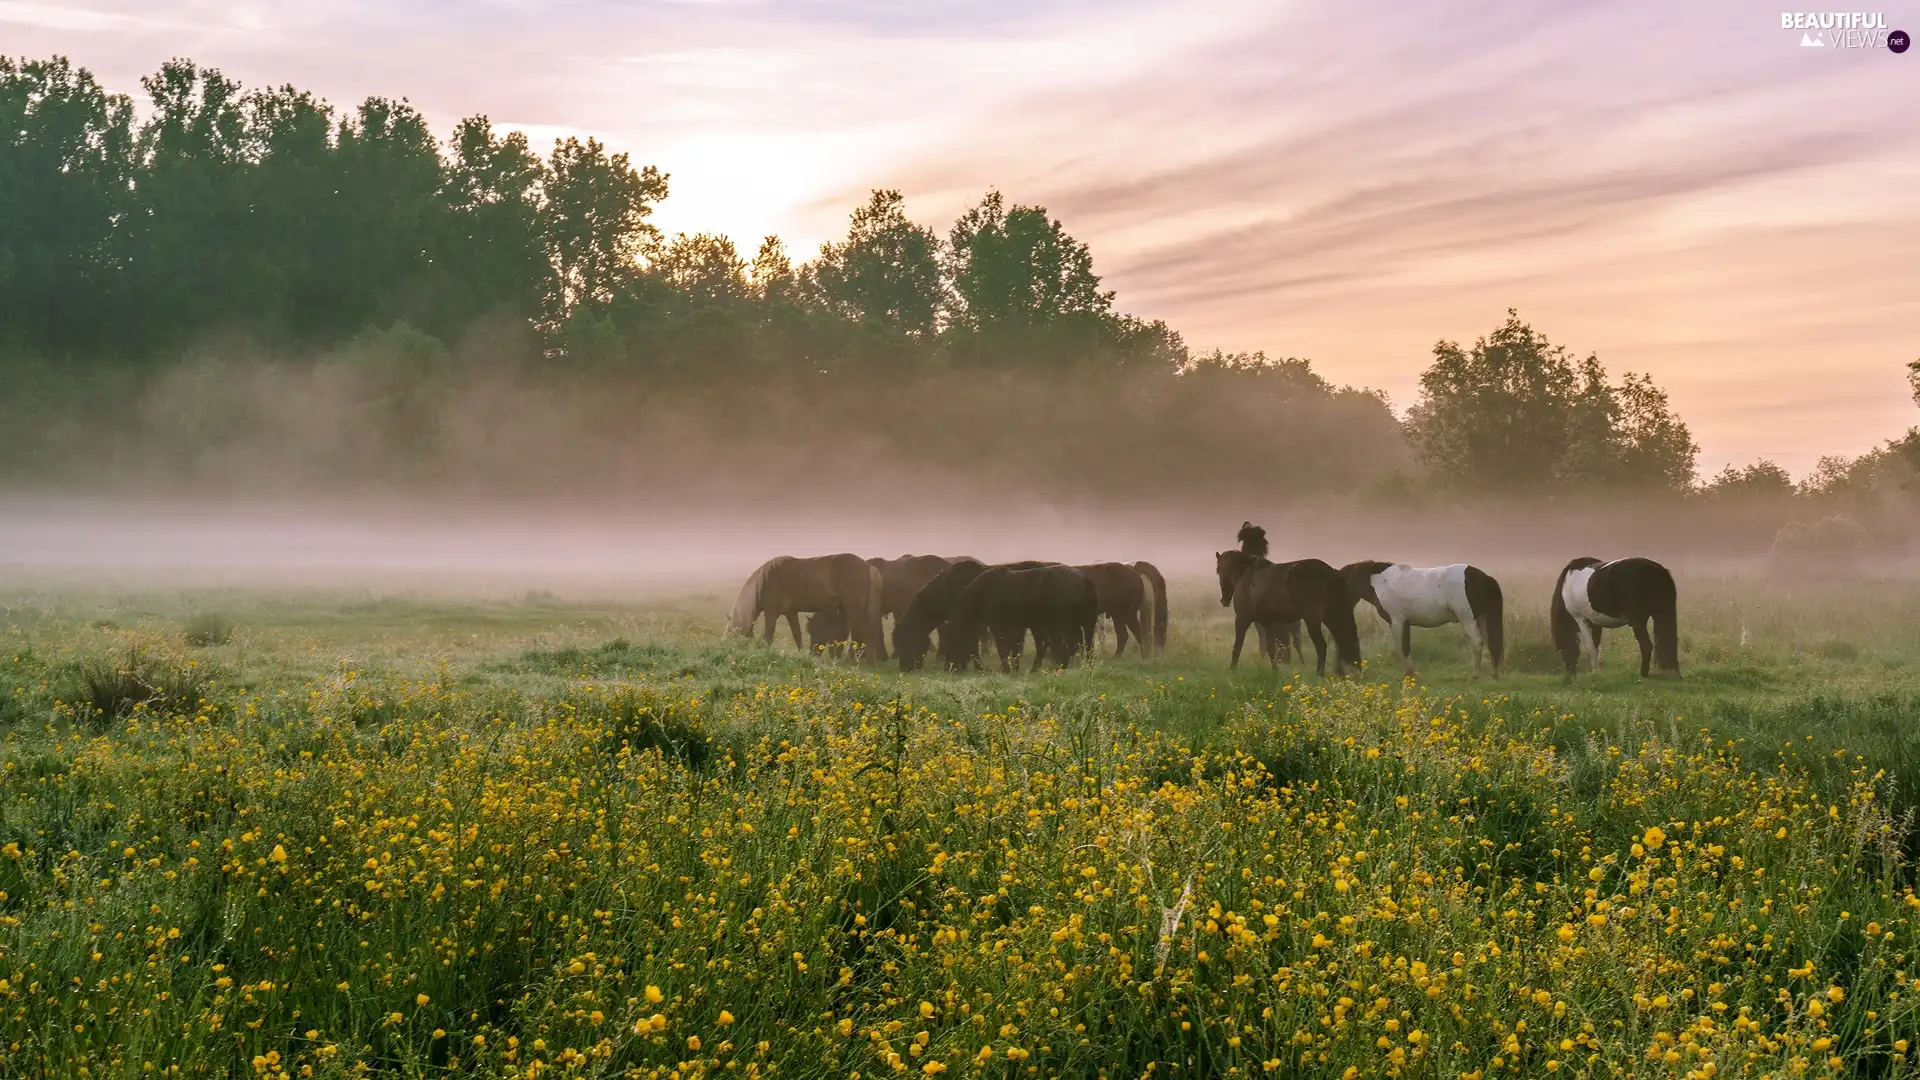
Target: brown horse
{"type": "Point", "coordinates": [1124, 598]}
{"type": "Point", "coordinates": [1156, 599]}
{"type": "Point", "coordinates": [786, 587]}
{"type": "Point", "coordinates": [1058, 603]}
{"type": "Point", "coordinates": [1278, 640]}
{"type": "Point", "coordinates": [901, 578]}
{"type": "Point", "coordinates": [1262, 592]}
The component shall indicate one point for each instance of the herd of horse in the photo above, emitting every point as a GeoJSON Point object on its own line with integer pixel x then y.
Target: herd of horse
{"type": "Point", "coordinates": [969, 604]}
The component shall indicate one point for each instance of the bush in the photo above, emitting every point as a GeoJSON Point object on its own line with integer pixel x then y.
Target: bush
{"type": "Point", "coordinates": [1829, 546]}
{"type": "Point", "coordinates": [110, 688]}
{"type": "Point", "coordinates": [209, 629]}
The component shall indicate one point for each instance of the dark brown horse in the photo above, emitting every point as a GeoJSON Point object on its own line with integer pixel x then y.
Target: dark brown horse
{"type": "Point", "coordinates": [1157, 597]}
{"type": "Point", "coordinates": [787, 587]}
{"type": "Point", "coordinates": [1591, 594]}
{"type": "Point", "coordinates": [1123, 598]}
{"type": "Point", "coordinates": [1278, 640]}
{"type": "Point", "coordinates": [913, 627]}
{"type": "Point", "coordinates": [1059, 604]}
{"type": "Point", "coordinates": [1263, 592]}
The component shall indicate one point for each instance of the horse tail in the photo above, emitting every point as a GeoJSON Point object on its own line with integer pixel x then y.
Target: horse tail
{"type": "Point", "coordinates": [1339, 619]}
{"type": "Point", "coordinates": [1157, 584]}
{"type": "Point", "coordinates": [1484, 597]}
{"type": "Point", "coordinates": [874, 611]}
{"type": "Point", "coordinates": [748, 605]}
{"type": "Point", "coordinates": [1666, 621]}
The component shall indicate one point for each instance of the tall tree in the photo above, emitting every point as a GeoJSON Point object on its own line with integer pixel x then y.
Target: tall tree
{"type": "Point", "coordinates": [705, 268]}
{"type": "Point", "coordinates": [886, 272]}
{"type": "Point", "coordinates": [1652, 448]}
{"type": "Point", "coordinates": [389, 177]}
{"type": "Point", "coordinates": [65, 161]}
{"type": "Point", "coordinates": [1017, 271]}
{"type": "Point", "coordinates": [491, 241]}
{"type": "Point", "coordinates": [1515, 414]}
{"type": "Point", "coordinates": [188, 242]}
{"type": "Point", "coordinates": [595, 225]}
{"type": "Point", "coordinates": [1495, 417]}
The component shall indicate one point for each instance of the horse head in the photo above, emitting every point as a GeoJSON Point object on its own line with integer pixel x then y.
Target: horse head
{"type": "Point", "coordinates": [1231, 566]}
{"type": "Point", "coordinates": [1359, 580]}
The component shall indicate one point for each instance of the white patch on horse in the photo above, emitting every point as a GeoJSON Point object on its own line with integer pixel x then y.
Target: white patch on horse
{"type": "Point", "coordinates": [1427, 597]}
{"type": "Point", "coordinates": [1573, 593]}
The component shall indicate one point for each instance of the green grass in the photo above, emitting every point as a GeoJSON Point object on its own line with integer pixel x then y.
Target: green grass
{"type": "Point", "coordinates": [382, 817]}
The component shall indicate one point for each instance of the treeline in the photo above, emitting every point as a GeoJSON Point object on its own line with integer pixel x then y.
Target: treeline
{"type": "Point", "coordinates": [248, 285]}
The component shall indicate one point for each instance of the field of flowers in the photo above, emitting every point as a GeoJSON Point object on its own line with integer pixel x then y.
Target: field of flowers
{"type": "Point", "coordinates": [544, 864]}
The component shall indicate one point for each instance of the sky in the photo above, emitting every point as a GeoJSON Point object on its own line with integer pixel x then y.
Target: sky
{"type": "Point", "coordinates": [1686, 190]}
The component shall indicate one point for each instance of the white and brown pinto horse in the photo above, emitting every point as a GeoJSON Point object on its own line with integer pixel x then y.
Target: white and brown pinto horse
{"type": "Point", "coordinates": [1591, 595]}
{"type": "Point", "coordinates": [1428, 596]}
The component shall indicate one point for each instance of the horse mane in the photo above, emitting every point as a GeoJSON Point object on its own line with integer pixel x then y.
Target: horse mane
{"type": "Point", "coordinates": [1253, 540]}
{"type": "Point", "coordinates": [747, 606]}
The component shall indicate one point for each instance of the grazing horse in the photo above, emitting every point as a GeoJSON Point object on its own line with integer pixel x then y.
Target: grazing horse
{"type": "Point", "coordinates": [1591, 594]}
{"type": "Point", "coordinates": [786, 587]}
{"type": "Point", "coordinates": [1123, 597]}
{"type": "Point", "coordinates": [1272, 593]}
{"type": "Point", "coordinates": [1157, 598]}
{"type": "Point", "coordinates": [914, 625]}
{"type": "Point", "coordinates": [901, 578]}
{"type": "Point", "coordinates": [1410, 596]}
{"type": "Point", "coordinates": [1058, 603]}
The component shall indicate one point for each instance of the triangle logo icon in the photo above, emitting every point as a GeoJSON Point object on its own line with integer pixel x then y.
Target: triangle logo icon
{"type": "Point", "coordinates": [1809, 41]}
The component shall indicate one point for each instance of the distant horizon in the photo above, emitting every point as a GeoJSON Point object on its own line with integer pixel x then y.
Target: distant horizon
{"type": "Point", "coordinates": [1685, 193]}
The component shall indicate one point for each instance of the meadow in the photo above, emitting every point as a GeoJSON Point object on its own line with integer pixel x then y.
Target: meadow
{"type": "Point", "coordinates": [335, 834]}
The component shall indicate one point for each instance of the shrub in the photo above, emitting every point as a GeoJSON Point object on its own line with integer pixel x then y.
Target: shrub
{"type": "Point", "coordinates": [209, 629]}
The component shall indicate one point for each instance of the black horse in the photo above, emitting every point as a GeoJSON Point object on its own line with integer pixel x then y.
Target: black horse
{"type": "Point", "coordinates": [1591, 594]}
{"type": "Point", "coordinates": [1058, 603]}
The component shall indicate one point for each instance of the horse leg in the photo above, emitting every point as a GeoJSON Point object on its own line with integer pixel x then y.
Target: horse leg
{"type": "Point", "coordinates": [1268, 644]}
{"type": "Point", "coordinates": [1240, 625]}
{"type": "Point", "coordinates": [1402, 631]}
{"type": "Point", "coordinates": [1592, 637]}
{"type": "Point", "coordinates": [1319, 649]}
{"type": "Point", "coordinates": [1646, 645]}
{"type": "Point", "coordinates": [1475, 642]}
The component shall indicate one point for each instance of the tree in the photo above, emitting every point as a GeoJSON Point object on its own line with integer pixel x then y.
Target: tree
{"type": "Point", "coordinates": [1652, 448]}
{"type": "Point", "coordinates": [190, 246]}
{"type": "Point", "coordinates": [1761, 480]}
{"type": "Point", "coordinates": [772, 271]}
{"type": "Point", "coordinates": [66, 149]}
{"type": "Point", "coordinates": [1913, 380]}
{"type": "Point", "coordinates": [1517, 415]}
{"type": "Point", "coordinates": [491, 240]}
{"type": "Point", "coordinates": [1018, 270]}
{"type": "Point", "coordinates": [705, 268]}
{"type": "Point", "coordinates": [886, 272]}
{"type": "Point", "coordinates": [594, 225]}
{"type": "Point", "coordinates": [1496, 418]}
